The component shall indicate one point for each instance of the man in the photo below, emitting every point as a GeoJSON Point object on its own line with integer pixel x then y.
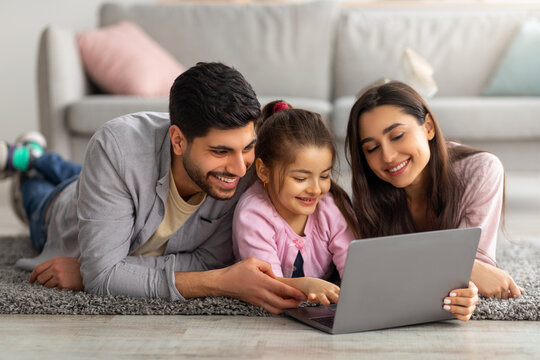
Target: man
{"type": "Point", "coordinates": [150, 214]}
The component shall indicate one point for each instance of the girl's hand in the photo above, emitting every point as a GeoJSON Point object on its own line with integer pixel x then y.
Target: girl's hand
{"type": "Point", "coordinates": [318, 291]}
{"type": "Point", "coordinates": [494, 282]}
{"type": "Point", "coordinates": [462, 302]}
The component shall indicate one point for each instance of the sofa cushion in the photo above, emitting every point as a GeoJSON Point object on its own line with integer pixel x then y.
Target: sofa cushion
{"type": "Point", "coordinates": [123, 60]}
{"type": "Point", "coordinates": [463, 46]}
{"type": "Point", "coordinates": [281, 49]}
{"type": "Point", "coordinates": [468, 118]}
{"type": "Point", "coordinates": [481, 118]}
{"type": "Point", "coordinates": [84, 117]}
{"type": "Point", "coordinates": [518, 73]}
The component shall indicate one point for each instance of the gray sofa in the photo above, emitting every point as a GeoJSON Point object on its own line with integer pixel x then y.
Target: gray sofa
{"type": "Point", "coordinates": [315, 54]}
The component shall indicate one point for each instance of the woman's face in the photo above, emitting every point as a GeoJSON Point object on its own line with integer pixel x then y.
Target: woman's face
{"type": "Point", "coordinates": [396, 147]}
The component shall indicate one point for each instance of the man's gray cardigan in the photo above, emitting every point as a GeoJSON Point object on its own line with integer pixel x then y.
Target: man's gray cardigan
{"type": "Point", "coordinates": [117, 204]}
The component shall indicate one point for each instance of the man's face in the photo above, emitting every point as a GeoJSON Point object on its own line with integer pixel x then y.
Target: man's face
{"type": "Point", "coordinates": [216, 162]}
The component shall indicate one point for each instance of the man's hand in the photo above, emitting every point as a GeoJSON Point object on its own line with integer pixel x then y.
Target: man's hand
{"type": "Point", "coordinates": [494, 282]}
{"type": "Point", "coordinates": [249, 280]}
{"type": "Point", "coordinates": [316, 290]}
{"type": "Point", "coordinates": [59, 272]}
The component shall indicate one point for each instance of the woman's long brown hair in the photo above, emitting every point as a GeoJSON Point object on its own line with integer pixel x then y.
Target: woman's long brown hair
{"type": "Point", "coordinates": [381, 209]}
{"type": "Point", "coordinates": [281, 134]}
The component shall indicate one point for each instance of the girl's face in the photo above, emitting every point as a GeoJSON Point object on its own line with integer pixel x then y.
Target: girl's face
{"type": "Point", "coordinates": [396, 147]}
{"type": "Point", "coordinates": [304, 182]}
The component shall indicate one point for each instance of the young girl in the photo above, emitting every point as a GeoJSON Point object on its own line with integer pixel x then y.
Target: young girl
{"type": "Point", "coordinates": [408, 178]}
{"type": "Point", "coordinates": [294, 216]}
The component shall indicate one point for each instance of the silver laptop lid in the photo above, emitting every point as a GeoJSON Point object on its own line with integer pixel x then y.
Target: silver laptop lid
{"type": "Point", "coordinates": [400, 280]}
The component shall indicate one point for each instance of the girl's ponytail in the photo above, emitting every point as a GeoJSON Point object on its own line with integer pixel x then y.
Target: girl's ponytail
{"type": "Point", "coordinates": [271, 108]}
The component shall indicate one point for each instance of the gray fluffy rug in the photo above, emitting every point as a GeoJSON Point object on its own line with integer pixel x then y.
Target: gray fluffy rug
{"type": "Point", "coordinates": [18, 296]}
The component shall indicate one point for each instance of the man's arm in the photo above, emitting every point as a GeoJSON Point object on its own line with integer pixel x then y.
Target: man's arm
{"type": "Point", "coordinates": [250, 280]}
{"type": "Point", "coordinates": [108, 202]}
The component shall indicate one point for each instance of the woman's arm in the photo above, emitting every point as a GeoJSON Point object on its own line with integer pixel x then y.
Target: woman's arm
{"type": "Point", "coordinates": [318, 291]}
{"type": "Point", "coordinates": [483, 201]}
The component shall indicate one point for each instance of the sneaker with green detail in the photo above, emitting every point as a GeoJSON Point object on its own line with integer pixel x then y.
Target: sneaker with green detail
{"type": "Point", "coordinates": [19, 156]}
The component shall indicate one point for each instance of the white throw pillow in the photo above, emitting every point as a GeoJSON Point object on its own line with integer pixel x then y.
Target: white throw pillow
{"type": "Point", "coordinates": [418, 73]}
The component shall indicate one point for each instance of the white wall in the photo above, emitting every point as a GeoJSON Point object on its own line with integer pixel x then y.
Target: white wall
{"type": "Point", "coordinates": [21, 23]}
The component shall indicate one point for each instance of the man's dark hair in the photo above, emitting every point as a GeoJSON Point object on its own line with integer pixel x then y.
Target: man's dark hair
{"type": "Point", "coordinates": [211, 95]}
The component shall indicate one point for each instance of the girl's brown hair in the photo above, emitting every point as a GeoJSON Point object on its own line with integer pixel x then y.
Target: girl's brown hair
{"type": "Point", "coordinates": [381, 209]}
{"type": "Point", "coordinates": [282, 133]}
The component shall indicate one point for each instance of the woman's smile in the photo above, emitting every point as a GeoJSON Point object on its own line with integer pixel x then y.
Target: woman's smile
{"type": "Point", "coordinates": [398, 169]}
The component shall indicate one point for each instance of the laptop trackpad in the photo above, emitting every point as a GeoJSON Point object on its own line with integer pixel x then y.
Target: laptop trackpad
{"type": "Point", "coordinates": [321, 317]}
{"type": "Point", "coordinates": [317, 311]}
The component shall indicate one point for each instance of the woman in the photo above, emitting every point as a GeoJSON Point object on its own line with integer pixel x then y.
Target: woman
{"type": "Point", "coordinates": [408, 178]}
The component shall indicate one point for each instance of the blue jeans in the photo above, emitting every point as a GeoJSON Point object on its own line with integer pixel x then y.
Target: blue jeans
{"type": "Point", "coordinates": [51, 174]}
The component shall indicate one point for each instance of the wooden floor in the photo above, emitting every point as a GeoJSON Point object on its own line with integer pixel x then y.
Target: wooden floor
{"type": "Point", "coordinates": [219, 337]}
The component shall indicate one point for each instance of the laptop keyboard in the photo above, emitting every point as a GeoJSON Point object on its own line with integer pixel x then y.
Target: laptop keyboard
{"type": "Point", "coordinates": [325, 320]}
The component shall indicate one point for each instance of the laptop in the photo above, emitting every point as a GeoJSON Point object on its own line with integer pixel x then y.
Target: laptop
{"type": "Point", "coordinates": [397, 280]}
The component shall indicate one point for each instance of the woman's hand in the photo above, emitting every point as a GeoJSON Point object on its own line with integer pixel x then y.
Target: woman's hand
{"type": "Point", "coordinates": [462, 302]}
{"type": "Point", "coordinates": [318, 291]}
{"type": "Point", "coordinates": [494, 282]}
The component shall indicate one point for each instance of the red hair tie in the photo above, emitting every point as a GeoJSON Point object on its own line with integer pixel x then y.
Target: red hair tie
{"type": "Point", "coordinates": [280, 106]}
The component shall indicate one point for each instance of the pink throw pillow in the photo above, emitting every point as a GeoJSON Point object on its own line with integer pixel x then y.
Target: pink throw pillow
{"type": "Point", "coordinates": [121, 59]}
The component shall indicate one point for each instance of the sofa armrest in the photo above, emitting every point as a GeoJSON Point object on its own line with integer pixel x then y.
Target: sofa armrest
{"type": "Point", "coordinates": [61, 81]}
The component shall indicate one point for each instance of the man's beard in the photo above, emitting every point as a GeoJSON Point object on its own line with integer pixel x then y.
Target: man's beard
{"type": "Point", "coordinates": [203, 180]}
